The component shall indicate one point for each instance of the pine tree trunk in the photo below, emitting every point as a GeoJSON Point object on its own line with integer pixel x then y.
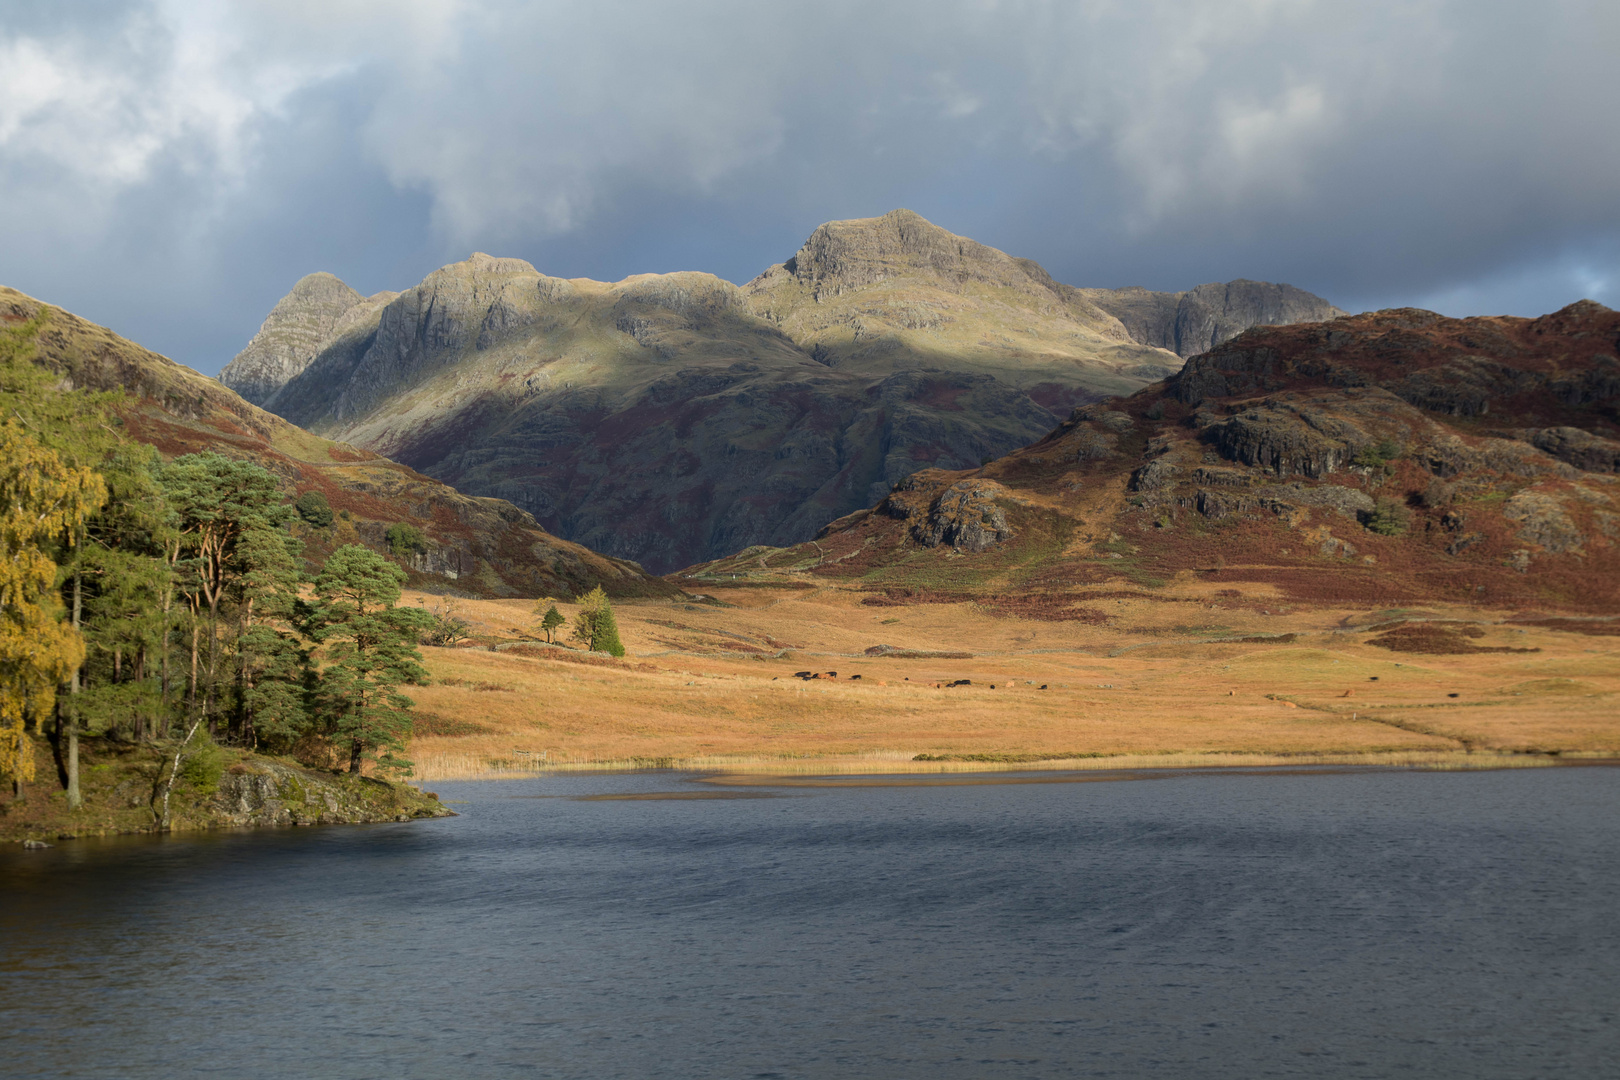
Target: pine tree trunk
{"type": "Point", "coordinates": [213, 659]}
{"type": "Point", "coordinates": [168, 604]}
{"type": "Point", "coordinates": [74, 798]}
{"type": "Point", "coordinates": [196, 627]}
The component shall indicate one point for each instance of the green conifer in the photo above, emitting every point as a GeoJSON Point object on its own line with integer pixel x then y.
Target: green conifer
{"type": "Point", "coordinates": [370, 651]}
{"type": "Point", "coordinates": [550, 621]}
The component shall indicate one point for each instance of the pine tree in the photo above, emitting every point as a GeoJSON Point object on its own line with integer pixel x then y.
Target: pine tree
{"type": "Point", "coordinates": [370, 650]}
{"type": "Point", "coordinates": [550, 621]}
{"type": "Point", "coordinates": [271, 663]}
{"type": "Point", "coordinates": [221, 505]}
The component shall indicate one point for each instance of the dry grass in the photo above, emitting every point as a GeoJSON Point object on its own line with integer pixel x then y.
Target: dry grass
{"type": "Point", "coordinates": [1165, 681]}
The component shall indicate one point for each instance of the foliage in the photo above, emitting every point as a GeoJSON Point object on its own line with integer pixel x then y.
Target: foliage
{"type": "Point", "coordinates": [230, 560]}
{"type": "Point", "coordinates": [405, 539]}
{"type": "Point", "coordinates": [370, 651]}
{"type": "Point", "coordinates": [42, 498]}
{"type": "Point", "coordinates": [1378, 455]}
{"type": "Point", "coordinates": [595, 626]}
{"type": "Point", "coordinates": [314, 509]}
{"type": "Point", "coordinates": [204, 765]}
{"type": "Point", "coordinates": [550, 619]}
{"type": "Point", "coordinates": [1387, 518]}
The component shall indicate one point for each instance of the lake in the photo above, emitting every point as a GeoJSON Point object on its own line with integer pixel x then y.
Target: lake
{"type": "Point", "coordinates": [1242, 924]}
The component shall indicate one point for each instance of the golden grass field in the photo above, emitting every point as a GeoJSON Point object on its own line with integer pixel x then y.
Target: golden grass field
{"type": "Point", "coordinates": [711, 687]}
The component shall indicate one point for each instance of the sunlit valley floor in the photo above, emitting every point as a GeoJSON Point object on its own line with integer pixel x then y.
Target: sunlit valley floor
{"type": "Point", "coordinates": [1184, 676]}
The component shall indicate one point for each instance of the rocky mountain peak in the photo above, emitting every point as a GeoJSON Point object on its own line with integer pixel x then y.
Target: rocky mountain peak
{"type": "Point", "coordinates": [480, 263]}
{"type": "Point", "coordinates": [842, 256]}
{"type": "Point", "coordinates": [315, 312]}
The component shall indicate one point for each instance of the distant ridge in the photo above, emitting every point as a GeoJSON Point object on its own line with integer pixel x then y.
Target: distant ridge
{"type": "Point", "coordinates": [1195, 321]}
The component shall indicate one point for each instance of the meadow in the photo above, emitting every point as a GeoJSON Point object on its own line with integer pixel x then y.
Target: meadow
{"type": "Point", "coordinates": [1187, 675]}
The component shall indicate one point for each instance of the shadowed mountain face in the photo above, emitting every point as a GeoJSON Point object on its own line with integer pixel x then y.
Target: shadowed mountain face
{"type": "Point", "coordinates": [1188, 323]}
{"type": "Point", "coordinates": [482, 546]}
{"type": "Point", "coordinates": [1378, 458]}
{"type": "Point", "coordinates": [671, 418]}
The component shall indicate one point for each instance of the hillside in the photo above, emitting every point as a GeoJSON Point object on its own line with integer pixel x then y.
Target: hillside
{"type": "Point", "coordinates": [671, 418]}
{"type": "Point", "coordinates": [483, 546]}
{"type": "Point", "coordinates": [1380, 459]}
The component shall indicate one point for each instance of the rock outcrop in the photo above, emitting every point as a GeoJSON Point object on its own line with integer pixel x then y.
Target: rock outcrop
{"type": "Point", "coordinates": [967, 515]}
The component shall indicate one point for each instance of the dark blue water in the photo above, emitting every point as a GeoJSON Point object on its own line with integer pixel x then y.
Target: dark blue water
{"type": "Point", "coordinates": [1348, 925]}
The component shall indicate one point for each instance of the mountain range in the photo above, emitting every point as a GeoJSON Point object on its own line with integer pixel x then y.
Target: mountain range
{"type": "Point", "coordinates": [677, 417]}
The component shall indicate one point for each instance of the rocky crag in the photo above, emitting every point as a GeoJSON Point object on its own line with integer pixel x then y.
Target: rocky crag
{"type": "Point", "coordinates": [1382, 458]}
{"type": "Point", "coordinates": [318, 310]}
{"type": "Point", "coordinates": [482, 546]}
{"type": "Point", "coordinates": [671, 418]}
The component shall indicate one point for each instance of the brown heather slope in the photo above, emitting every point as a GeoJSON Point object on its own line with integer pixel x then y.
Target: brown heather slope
{"type": "Point", "coordinates": [482, 546]}
{"type": "Point", "coordinates": [1488, 446]}
{"type": "Point", "coordinates": [676, 417]}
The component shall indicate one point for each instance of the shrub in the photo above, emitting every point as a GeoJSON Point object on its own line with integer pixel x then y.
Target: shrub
{"type": "Point", "coordinates": [447, 627]}
{"type": "Point", "coordinates": [1387, 518]}
{"type": "Point", "coordinates": [1439, 494]}
{"type": "Point", "coordinates": [314, 509]}
{"type": "Point", "coordinates": [204, 764]}
{"type": "Point", "coordinates": [405, 539]}
{"type": "Point", "coordinates": [1378, 455]}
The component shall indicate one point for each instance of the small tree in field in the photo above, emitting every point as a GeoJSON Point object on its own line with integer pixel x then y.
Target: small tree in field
{"type": "Point", "coordinates": [595, 625]}
{"type": "Point", "coordinates": [371, 651]}
{"type": "Point", "coordinates": [550, 620]}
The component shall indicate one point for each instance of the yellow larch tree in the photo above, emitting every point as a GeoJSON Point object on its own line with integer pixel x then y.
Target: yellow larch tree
{"type": "Point", "coordinates": [42, 499]}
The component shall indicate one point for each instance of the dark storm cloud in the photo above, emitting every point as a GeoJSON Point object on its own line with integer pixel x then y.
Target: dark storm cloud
{"type": "Point", "coordinates": [171, 168]}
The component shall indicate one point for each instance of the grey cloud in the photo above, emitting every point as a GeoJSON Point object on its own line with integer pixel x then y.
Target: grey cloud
{"type": "Point", "coordinates": [1461, 155]}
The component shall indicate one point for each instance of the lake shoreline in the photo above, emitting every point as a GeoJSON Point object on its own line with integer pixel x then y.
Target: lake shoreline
{"type": "Point", "coordinates": [123, 788]}
{"type": "Point", "coordinates": [764, 768]}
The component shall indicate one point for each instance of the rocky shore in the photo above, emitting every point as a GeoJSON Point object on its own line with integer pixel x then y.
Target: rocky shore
{"type": "Point", "coordinates": [123, 789]}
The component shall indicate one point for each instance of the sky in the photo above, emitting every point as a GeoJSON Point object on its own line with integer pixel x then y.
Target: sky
{"type": "Point", "coordinates": [170, 169]}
